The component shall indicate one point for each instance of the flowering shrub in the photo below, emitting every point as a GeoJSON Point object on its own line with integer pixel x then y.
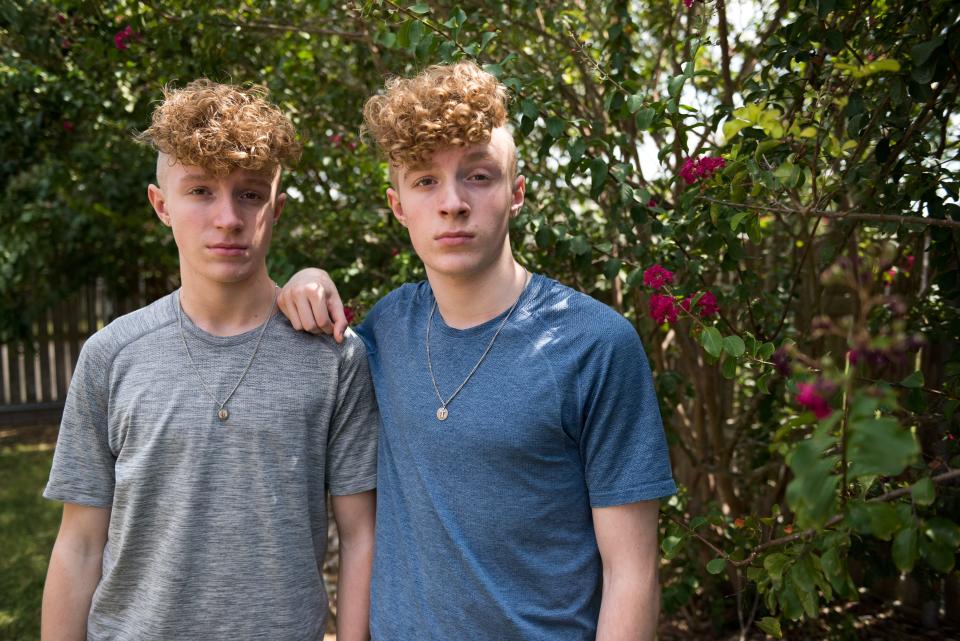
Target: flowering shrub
{"type": "Point", "coordinates": [796, 170]}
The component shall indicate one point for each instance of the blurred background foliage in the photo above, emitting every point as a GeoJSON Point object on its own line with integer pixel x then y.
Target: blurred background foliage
{"type": "Point", "coordinates": [789, 170]}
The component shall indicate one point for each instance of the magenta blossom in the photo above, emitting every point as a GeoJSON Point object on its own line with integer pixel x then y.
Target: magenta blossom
{"type": "Point", "coordinates": [657, 276]}
{"type": "Point", "coordinates": [706, 305]}
{"type": "Point", "coordinates": [688, 3]}
{"type": "Point", "coordinates": [813, 396]}
{"type": "Point", "coordinates": [696, 168]}
{"type": "Point", "coordinates": [125, 35]}
{"type": "Point", "coordinates": [663, 308]}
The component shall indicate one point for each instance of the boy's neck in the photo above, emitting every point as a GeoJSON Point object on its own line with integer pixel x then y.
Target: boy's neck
{"type": "Point", "coordinates": [228, 309]}
{"type": "Point", "coordinates": [471, 300]}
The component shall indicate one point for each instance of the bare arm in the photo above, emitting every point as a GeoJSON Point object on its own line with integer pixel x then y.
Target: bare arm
{"type": "Point", "coordinates": [311, 301]}
{"type": "Point", "coordinates": [627, 538]}
{"type": "Point", "coordinates": [355, 518]}
{"type": "Point", "coordinates": [74, 572]}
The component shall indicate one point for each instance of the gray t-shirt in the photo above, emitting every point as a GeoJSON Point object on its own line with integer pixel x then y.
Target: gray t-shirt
{"type": "Point", "coordinates": [218, 529]}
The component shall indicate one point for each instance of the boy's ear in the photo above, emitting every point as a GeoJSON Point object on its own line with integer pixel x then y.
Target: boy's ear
{"type": "Point", "coordinates": [395, 206]}
{"type": "Point", "coordinates": [159, 203]}
{"type": "Point", "coordinates": [519, 191]}
{"type": "Point", "coordinates": [278, 206]}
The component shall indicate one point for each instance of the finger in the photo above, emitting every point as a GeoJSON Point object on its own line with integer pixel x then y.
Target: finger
{"type": "Point", "coordinates": [337, 315]}
{"type": "Point", "coordinates": [289, 310]}
{"type": "Point", "coordinates": [318, 312]}
{"type": "Point", "coordinates": [308, 317]}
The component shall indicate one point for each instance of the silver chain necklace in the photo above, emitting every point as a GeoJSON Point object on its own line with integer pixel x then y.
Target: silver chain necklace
{"type": "Point", "coordinates": [442, 412]}
{"type": "Point", "coordinates": [222, 413]}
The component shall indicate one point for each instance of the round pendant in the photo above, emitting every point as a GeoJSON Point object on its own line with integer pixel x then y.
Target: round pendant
{"type": "Point", "coordinates": [442, 414]}
{"type": "Point", "coordinates": [223, 414]}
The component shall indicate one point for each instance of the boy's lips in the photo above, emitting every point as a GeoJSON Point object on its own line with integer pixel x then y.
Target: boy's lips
{"type": "Point", "coordinates": [454, 238]}
{"type": "Point", "coordinates": [227, 249]}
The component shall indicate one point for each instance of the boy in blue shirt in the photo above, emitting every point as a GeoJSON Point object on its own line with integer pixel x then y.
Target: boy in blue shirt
{"type": "Point", "coordinates": [521, 449]}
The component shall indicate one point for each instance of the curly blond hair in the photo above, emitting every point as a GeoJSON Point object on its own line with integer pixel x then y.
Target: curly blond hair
{"type": "Point", "coordinates": [443, 106]}
{"type": "Point", "coordinates": [221, 128]}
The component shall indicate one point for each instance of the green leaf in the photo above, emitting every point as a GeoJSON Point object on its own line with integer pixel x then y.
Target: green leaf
{"type": "Point", "coordinates": [939, 556]}
{"type": "Point", "coordinates": [576, 149]}
{"type": "Point", "coordinates": [579, 245]}
{"type": "Point", "coordinates": [915, 380]}
{"type": "Point", "coordinates": [555, 126]}
{"type": "Point", "coordinates": [771, 626]}
{"type": "Point", "coordinates": [766, 351]}
{"type": "Point", "coordinates": [737, 218]}
{"type": "Point", "coordinates": [728, 369]}
{"type": "Point", "coordinates": [645, 118]}
{"type": "Point", "coordinates": [486, 38]}
{"type": "Point", "coordinates": [716, 566]}
{"type": "Point", "coordinates": [421, 8]}
{"type": "Point", "coordinates": [676, 85]}
{"type": "Point", "coordinates": [634, 103]}
{"type": "Point", "coordinates": [879, 66]}
{"type": "Point", "coordinates": [734, 346]}
{"type": "Point", "coordinates": [697, 522]}
{"type": "Point", "coordinates": [921, 53]}
{"type": "Point", "coordinates": [878, 519]}
{"type": "Point", "coordinates": [775, 564]}
{"type": "Point", "coordinates": [904, 549]}
{"type": "Point", "coordinates": [732, 127]}
{"type": "Point", "coordinates": [598, 176]}
{"type": "Point", "coordinates": [712, 341]}
{"type": "Point", "coordinates": [670, 545]}
{"type": "Point", "coordinates": [880, 446]}
{"type": "Point", "coordinates": [923, 492]}
{"type": "Point", "coordinates": [529, 109]}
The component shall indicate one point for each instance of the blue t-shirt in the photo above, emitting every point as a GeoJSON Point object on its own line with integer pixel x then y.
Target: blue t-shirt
{"type": "Point", "coordinates": [484, 524]}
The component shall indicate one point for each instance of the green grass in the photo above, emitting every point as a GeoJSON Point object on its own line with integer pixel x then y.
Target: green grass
{"type": "Point", "coordinates": [28, 527]}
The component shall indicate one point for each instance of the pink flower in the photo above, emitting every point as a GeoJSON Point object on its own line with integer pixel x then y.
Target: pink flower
{"type": "Point", "coordinates": [652, 203]}
{"type": "Point", "coordinates": [696, 168]}
{"type": "Point", "coordinates": [349, 313]}
{"type": "Point", "coordinates": [688, 3]}
{"type": "Point", "coordinates": [68, 126]}
{"type": "Point", "coordinates": [706, 305]}
{"type": "Point", "coordinates": [62, 19]}
{"type": "Point", "coordinates": [813, 396]}
{"type": "Point", "coordinates": [336, 139]}
{"type": "Point", "coordinates": [663, 308]}
{"type": "Point", "coordinates": [657, 276]}
{"type": "Point", "coordinates": [125, 35]}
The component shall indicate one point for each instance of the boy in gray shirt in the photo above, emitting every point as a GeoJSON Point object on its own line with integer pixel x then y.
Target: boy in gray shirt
{"type": "Point", "coordinates": [201, 433]}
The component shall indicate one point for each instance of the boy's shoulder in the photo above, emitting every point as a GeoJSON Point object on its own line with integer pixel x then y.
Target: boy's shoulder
{"type": "Point", "coordinates": [565, 310]}
{"type": "Point", "coordinates": [129, 328]}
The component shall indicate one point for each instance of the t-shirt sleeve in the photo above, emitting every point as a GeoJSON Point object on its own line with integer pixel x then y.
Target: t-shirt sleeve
{"type": "Point", "coordinates": [352, 441]}
{"type": "Point", "coordinates": [83, 463]}
{"type": "Point", "coordinates": [622, 443]}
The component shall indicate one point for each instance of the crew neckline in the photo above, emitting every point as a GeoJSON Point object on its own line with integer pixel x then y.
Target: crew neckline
{"type": "Point", "coordinates": [441, 326]}
{"type": "Point", "coordinates": [194, 330]}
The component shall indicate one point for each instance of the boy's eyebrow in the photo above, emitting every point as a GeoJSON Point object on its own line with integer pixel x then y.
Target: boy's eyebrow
{"type": "Point", "coordinates": [473, 156]}
{"type": "Point", "coordinates": [480, 154]}
{"type": "Point", "coordinates": [195, 176]}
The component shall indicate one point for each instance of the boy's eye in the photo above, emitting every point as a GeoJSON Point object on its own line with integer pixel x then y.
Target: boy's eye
{"type": "Point", "coordinates": [250, 195]}
{"type": "Point", "coordinates": [478, 177]}
{"type": "Point", "coordinates": [199, 191]}
{"type": "Point", "coordinates": [422, 182]}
